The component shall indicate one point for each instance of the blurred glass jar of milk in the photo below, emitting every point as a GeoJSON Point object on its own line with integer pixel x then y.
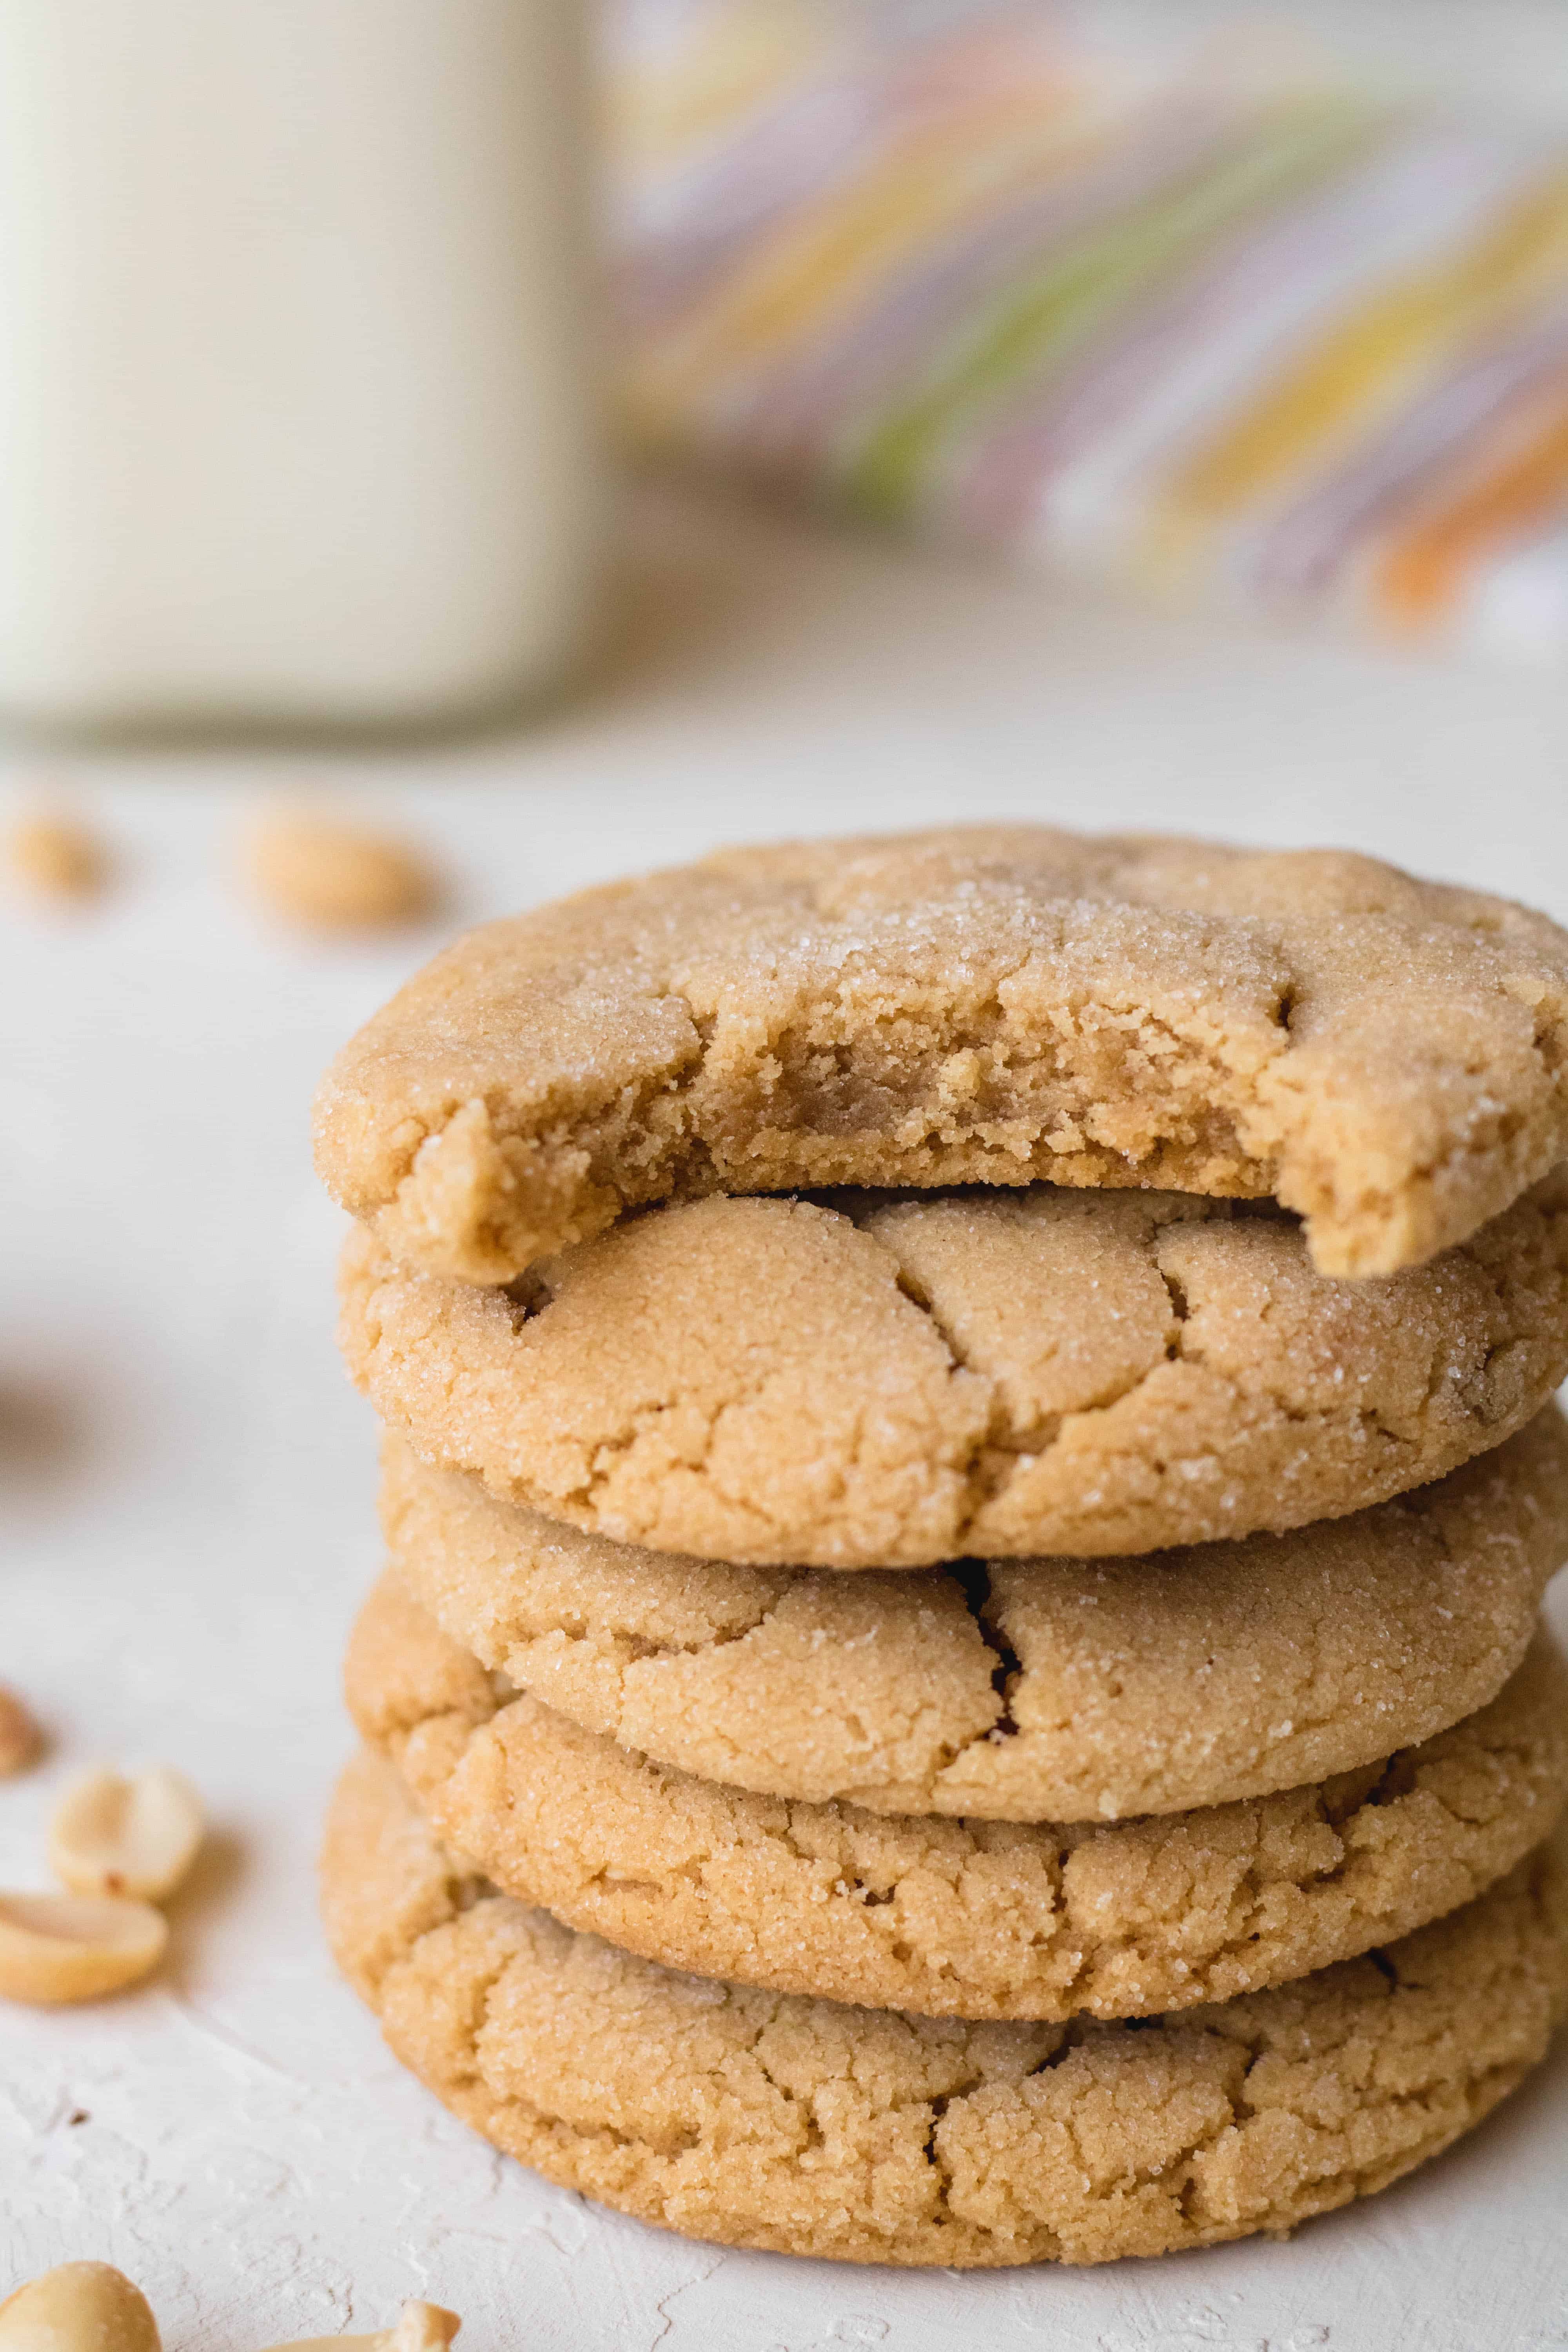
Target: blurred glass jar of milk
{"type": "Point", "coordinates": [296, 419]}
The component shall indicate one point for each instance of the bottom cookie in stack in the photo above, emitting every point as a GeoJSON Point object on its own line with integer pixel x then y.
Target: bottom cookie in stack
{"type": "Point", "coordinates": [799, 2125]}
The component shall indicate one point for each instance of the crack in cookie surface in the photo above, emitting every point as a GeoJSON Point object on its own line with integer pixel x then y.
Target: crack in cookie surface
{"type": "Point", "coordinates": [764, 2119]}
{"type": "Point", "coordinates": [1191, 1678]}
{"type": "Point", "coordinates": [874, 1382]}
{"type": "Point", "coordinates": [947, 1917]}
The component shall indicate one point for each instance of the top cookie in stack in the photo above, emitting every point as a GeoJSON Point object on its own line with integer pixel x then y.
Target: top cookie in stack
{"type": "Point", "coordinates": [986, 1005]}
{"type": "Point", "coordinates": [998, 1204]}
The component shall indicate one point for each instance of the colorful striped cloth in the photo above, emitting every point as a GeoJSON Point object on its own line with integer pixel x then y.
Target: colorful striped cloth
{"type": "Point", "coordinates": [1207, 324]}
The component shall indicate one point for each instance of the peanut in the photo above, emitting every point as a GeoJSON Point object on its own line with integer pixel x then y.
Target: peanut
{"type": "Point", "coordinates": [116, 1836]}
{"type": "Point", "coordinates": [64, 1947]}
{"type": "Point", "coordinates": [56, 858]}
{"type": "Point", "coordinates": [80, 2307]}
{"type": "Point", "coordinates": [328, 875]}
{"type": "Point", "coordinates": [422, 2327]}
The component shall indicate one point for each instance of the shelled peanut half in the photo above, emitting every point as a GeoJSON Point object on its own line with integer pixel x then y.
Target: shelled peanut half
{"type": "Point", "coordinates": [120, 1845]}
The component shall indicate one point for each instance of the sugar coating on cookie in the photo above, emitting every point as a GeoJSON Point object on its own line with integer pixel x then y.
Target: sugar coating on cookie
{"type": "Point", "coordinates": [1025, 1690]}
{"type": "Point", "coordinates": [758, 2118]}
{"type": "Point", "coordinates": [887, 1381]}
{"type": "Point", "coordinates": [983, 1004]}
{"type": "Point", "coordinates": [972, 1919]}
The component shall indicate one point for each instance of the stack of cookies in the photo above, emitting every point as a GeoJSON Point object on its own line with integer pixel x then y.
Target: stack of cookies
{"type": "Point", "coordinates": [969, 1474]}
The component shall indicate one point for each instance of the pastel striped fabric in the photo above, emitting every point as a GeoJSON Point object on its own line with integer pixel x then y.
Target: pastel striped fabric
{"type": "Point", "coordinates": [1194, 324]}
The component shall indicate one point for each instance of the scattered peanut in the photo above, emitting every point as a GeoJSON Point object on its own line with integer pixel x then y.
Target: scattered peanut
{"type": "Point", "coordinates": [423, 2327]}
{"type": "Point", "coordinates": [329, 876]}
{"type": "Point", "coordinates": [116, 1836]}
{"type": "Point", "coordinates": [20, 1738]}
{"type": "Point", "coordinates": [80, 2307]}
{"type": "Point", "coordinates": [91, 2307]}
{"type": "Point", "coordinates": [56, 858]}
{"type": "Point", "coordinates": [64, 1947]}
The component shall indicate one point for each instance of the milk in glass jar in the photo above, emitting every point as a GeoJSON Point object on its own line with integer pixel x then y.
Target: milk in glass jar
{"type": "Point", "coordinates": [297, 419]}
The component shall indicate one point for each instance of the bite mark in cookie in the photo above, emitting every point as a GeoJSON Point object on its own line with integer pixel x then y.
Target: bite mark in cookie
{"type": "Point", "coordinates": [986, 1004]}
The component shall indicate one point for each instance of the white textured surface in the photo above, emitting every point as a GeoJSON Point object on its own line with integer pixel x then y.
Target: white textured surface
{"type": "Point", "coordinates": [186, 1483]}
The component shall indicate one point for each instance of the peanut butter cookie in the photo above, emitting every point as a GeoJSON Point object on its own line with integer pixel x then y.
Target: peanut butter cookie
{"type": "Point", "coordinates": [883, 1382]}
{"type": "Point", "coordinates": [1018, 1690]}
{"type": "Point", "coordinates": [985, 1005]}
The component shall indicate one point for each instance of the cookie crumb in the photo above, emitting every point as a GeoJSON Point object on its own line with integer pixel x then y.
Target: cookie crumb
{"type": "Point", "coordinates": [55, 856]}
{"type": "Point", "coordinates": [322, 873]}
{"type": "Point", "coordinates": [20, 1738]}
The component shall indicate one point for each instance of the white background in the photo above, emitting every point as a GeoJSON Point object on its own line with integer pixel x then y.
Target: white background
{"type": "Point", "coordinates": [186, 1481]}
